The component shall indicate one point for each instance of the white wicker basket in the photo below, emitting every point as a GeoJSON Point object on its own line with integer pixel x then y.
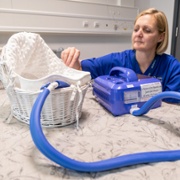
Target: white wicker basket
{"type": "Point", "coordinates": [26, 64]}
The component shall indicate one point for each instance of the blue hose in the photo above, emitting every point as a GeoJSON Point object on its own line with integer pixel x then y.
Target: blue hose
{"type": "Point", "coordinates": [122, 161]}
{"type": "Point", "coordinates": [147, 106]}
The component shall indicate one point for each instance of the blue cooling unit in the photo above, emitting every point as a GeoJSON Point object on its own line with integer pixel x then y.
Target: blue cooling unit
{"type": "Point", "coordinates": [123, 90]}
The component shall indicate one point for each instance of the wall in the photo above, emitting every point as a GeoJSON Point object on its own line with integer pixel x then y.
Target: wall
{"type": "Point", "coordinates": [18, 15]}
{"type": "Point", "coordinates": [97, 45]}
{"type": "Point", "coordinates": [141, 5]}
{"type": "Point", "coordinates": [90, 45]}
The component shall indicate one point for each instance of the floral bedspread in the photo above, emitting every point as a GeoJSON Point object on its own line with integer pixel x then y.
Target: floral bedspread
{"type": "Point", "coordinates": [100, 136]}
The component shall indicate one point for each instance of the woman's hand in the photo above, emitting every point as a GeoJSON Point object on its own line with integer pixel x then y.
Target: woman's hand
{"type": "Point", "coordinates": [70, 56]}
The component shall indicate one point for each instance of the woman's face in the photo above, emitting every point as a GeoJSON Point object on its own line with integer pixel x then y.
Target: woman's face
{"type": "Point", "coordinates": [145, 36]}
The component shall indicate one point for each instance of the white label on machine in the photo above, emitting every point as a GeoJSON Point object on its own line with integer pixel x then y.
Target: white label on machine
{"type": "Point", "coordinates": [131, 97]}
{"type": "Point", "coordinates": [149, 90]}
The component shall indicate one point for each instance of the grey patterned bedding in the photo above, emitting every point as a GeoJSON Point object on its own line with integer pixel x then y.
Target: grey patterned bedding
{"type": "Point", "coordinates": [100, 136]}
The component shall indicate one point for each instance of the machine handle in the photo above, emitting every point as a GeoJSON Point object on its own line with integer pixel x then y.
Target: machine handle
{"type": "Point", "coordinates": [128, 75]}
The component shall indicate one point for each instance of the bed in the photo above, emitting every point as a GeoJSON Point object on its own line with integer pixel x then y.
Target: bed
{"type": "Point", "coordinates": [99, 136]}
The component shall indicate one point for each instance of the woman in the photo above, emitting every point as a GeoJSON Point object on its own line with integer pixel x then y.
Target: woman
{"type": "Point", "coordinates": [149, 42]}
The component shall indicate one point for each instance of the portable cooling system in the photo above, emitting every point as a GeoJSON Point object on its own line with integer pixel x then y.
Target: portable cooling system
{"type": "Point", "coordinates": [123, 90]}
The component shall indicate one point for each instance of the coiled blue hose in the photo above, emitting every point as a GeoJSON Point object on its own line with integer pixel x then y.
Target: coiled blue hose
{"type": "Point", "coordinates": [122, 161]}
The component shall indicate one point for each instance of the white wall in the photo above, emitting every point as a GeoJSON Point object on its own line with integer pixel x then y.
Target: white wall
{"type": "Point", "coordinates": [142, 5]}
{"type": "Point", "coordinates": [97, 45]}
{"type": "Point", "coordinates": [90, 45]}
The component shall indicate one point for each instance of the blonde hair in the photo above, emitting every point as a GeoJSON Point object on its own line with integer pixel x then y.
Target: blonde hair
{"type": "Point", "coordinates": [162, 26]}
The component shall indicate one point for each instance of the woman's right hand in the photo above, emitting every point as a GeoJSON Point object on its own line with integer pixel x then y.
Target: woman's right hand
{"type": "Point", "coordinates": [70, 56]}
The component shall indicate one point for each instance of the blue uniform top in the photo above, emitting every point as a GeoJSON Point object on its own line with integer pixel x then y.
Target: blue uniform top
{"type": "Point", "coordinates": [164, 67]}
